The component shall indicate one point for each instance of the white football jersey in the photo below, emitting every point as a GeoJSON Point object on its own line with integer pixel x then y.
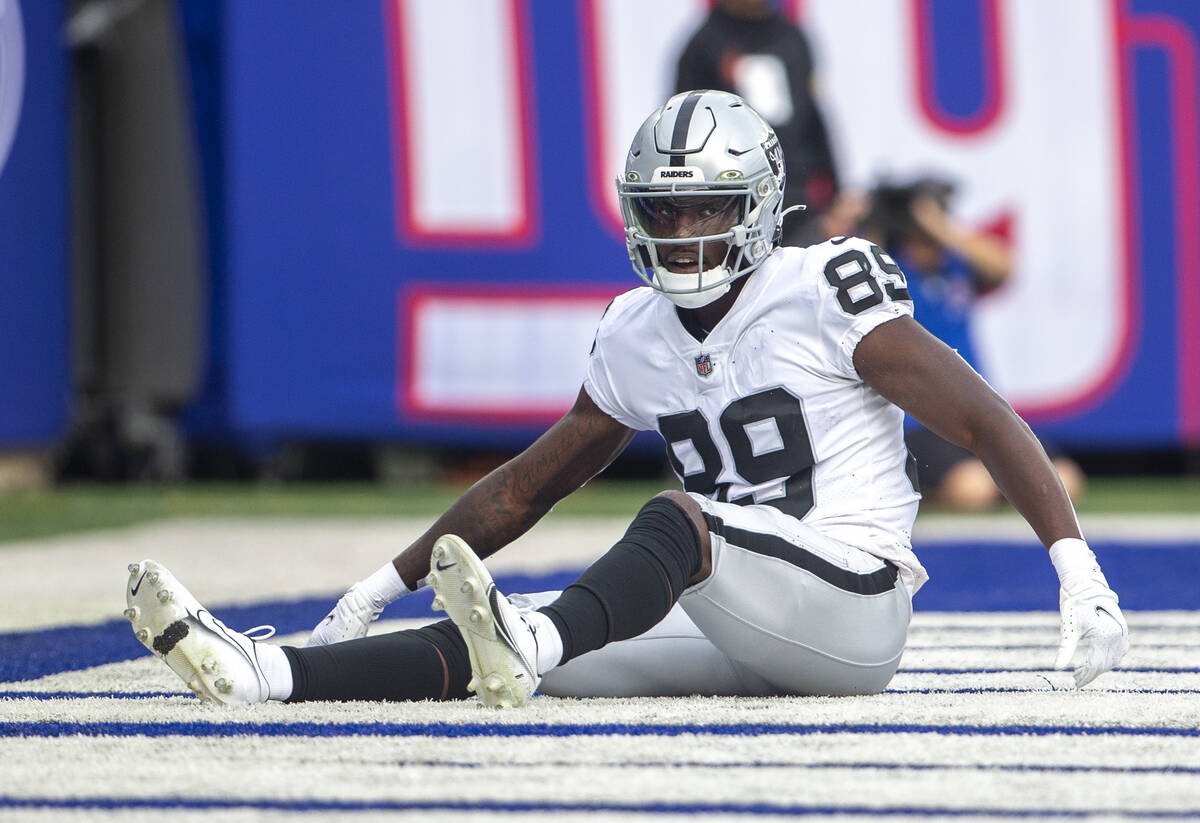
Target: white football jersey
{"type": "Point", "coordinates": [769, 409]}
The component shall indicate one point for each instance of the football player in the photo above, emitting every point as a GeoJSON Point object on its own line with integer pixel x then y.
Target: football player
{"type": "Point", "coordinates": [778, 378]}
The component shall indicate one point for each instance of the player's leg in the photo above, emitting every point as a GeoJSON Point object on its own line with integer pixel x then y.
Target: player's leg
{"type": "Point", "coordinates": [224, 666]}
{"type": "Point", "coordinates": [623, 594]}
{"type": "Point", "coordinates": [809, 614]}
{"type": "Point", "coordinates": [672, 659]}
{"type": "Point", "coordinates": [429, 663]}
{"type": "Point", "coordinates": [636, 583]}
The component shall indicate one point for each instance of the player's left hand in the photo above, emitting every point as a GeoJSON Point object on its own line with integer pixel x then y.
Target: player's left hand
{"type": "Point", "coordinates": [1090, 613]}
{"type": "Point", "coordinates": [349, 619]}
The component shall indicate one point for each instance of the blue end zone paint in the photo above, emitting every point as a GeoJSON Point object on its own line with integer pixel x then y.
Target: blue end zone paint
{"type": "Point", "coordinates": [755, 809]}
{"type": "Point", "coordinates": [52, 728]}
{"type": "Point", "coordinates": [972, 576]}
{"type": "Point", "coordinates": [1017, 576]}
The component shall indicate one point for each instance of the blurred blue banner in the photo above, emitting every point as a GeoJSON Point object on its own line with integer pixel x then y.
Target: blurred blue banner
{"type": "Point", "coordinates": [34, 368]}
{"type": "Point", "coordinates": [415, 230]}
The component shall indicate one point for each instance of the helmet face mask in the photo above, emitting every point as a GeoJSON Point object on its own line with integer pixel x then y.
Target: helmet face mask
{"type": "Point", "coordinates": [702, 196]}
{"type": "Point", "coordinates": [688, 214]}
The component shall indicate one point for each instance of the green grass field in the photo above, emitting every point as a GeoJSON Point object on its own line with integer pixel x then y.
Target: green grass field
{"type": "Point", "coordinates": [85, 507]}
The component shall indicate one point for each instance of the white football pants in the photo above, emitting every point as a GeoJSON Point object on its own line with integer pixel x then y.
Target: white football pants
{"type": "Point", "coordinates": [786, 610]}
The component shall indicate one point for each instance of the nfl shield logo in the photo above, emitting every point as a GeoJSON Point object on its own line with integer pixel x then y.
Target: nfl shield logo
{"type": "Point", "coordinates": [704, 365]}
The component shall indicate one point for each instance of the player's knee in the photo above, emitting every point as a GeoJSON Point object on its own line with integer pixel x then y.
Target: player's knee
{"type": "Point", "coordinates": [678, 513]}
{"type": "Point", "coordinates": [681, 499]}
{"type": "Point", "coordinates": [665, 529]}
{"type": "Point", "coordinates": [692, 509]}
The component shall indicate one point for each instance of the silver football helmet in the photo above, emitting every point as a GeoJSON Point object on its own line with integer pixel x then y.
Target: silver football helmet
{"type": "Point", "coordinates": [702, 196]}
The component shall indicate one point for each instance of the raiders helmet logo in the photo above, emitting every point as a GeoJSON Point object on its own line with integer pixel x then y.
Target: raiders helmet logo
{"type": "Point", "coordinates": [774, 154]}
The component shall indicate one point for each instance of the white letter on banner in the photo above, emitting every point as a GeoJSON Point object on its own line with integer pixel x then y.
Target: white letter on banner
{"type": "Point", "coordinates": [462, 120]}
{"type": "Point", "coordinates": [630, 51]}
{"type": "Point", "coordinates": [12, 74]}
{"type": "Point", "coordinates": [1050, 161]}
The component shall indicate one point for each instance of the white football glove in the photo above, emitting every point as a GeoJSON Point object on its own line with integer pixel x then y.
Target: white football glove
{"type": "Point", "coordinates": [359, 607]}
{"type": "Point", "coordinates": [1089, 612]}
{"type": "Point", "coordinates": [349, 619]}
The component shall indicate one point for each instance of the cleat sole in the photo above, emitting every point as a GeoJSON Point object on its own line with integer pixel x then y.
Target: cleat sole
{"type": "Point", "coordinates": [164, 625]}
{"type": "Point", "coordinates": [461, 588]}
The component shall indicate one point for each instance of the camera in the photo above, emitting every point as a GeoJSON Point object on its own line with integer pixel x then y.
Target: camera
{"type": "Point", "coordinates": [890, 214]}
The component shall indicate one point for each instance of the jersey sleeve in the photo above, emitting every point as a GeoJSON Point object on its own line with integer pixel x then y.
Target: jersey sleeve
{"type": "Point", "coordinates": [600, 381]}
{"type": "Point", "coordinates": [859, 287]}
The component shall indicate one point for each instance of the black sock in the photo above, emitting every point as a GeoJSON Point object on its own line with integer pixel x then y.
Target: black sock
{"type": "Point", "coordinates": [632, 587]}
{"type": "Point", "coordinates": [405, 665]}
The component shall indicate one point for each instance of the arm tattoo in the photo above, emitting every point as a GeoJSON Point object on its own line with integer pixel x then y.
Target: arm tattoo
{"type": "Point", "coordinates": [507, 502]}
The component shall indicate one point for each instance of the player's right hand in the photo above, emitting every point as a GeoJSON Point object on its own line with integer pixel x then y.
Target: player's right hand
{"type": "Point", "coordinates": [349, 619]}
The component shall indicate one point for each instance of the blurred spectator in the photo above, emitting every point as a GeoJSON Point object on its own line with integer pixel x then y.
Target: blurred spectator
{"type": "Point", "coordinates": [948, 267]}
{"type": "Point", "coordinates": [747, 47]}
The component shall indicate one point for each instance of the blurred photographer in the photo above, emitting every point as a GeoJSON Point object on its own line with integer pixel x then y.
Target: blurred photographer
{"type": "Point", "coordinates": [750, 48]}
{"type": "Point", "coordinates": [948, 267]}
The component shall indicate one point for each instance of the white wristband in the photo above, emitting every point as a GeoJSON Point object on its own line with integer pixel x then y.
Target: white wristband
{"type": "Point", "coordinates": [1071, 556]}
{"type": "Point", "coordinates": [384, 586]}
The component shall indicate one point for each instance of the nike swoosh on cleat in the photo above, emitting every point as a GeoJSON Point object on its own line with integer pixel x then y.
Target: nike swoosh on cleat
{"type": "Point", "coordinates": [442, 568]}
{"type": "Point", "coordinates": [138, 585]}
{"type": "Point", "coordinates": [504, 633]}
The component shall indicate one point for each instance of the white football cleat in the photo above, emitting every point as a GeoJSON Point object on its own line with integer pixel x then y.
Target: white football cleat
{"type": "Point", "coordinates": [217, 663]}
{"type": "Point", "coordinates": [502, 646]}
{"type": "Point", "coordinates": [349, 619]}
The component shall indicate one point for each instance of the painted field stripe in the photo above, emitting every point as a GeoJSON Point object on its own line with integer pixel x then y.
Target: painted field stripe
{"type": "Point", "coordinates": [999, 625]}
{"type": "Point", "coordinates": [1013, 690]}
{"type": "Point", "coordinates": [30, 695]}
{"type": "Point", "coordinates": [89, 695]}
{"type": "Point", "coordinates": [552, 806]}
{"type": "Point", "coordinates": [49, 728]}
{"type": "Point", "coordinates": [963, 690]}
{"type": "Point", "coordinates": [1025, 647]}
{"type": "Point", "coordinates": [772, 764]}
{"type": "Point", "coordinates": [1047, 670]}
